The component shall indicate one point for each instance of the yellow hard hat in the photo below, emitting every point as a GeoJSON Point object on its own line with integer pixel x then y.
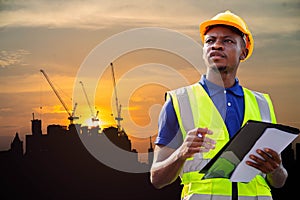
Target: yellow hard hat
{"type": "Point", "coordinates": [230, 19]}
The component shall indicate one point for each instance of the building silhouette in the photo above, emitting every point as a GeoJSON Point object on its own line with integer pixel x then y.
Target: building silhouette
{"type": "Point", "coordinates": [16, 147]}
{"type": "Point", "coordinates": [57, 165]}
{"type": "Point", "coordinates": [150, 152]}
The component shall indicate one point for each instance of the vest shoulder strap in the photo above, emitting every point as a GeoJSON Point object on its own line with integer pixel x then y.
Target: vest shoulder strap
{"type": "Point", "coordinates": [264, 104]}
{"type": "Point", "coordinates": [181, 97]}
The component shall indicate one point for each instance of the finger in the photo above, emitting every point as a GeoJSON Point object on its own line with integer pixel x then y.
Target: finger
{"type": "Point", "coordinates": [201, 142]}
{"type": "Point", "coordinates": [257, 160]}
{"type": "Point", "coordinates": [260, 167]}
{"type": "Point", "coordinates": [273, 154]}
{"type": "Point", "coordinates": [201, 132]}
{"type": "Point", "coordinates": [257, 163]}
{"type": "Point", "coordinates": [266, 164]}
{"type": "Point", "coordinates": [197, 134]}
{"type": "Point", "coordinates": [209, 140]}
{"type": "Point", "coordinates": [253, 164]}
{"type": "Point", "coordinates": [202, 139]}
{"type": "Point", "coordinates": [271, 161]}
{"type": "Point", "coordinates": [208, 145]}
{"type": "Point", "coordinates": [264, 155]}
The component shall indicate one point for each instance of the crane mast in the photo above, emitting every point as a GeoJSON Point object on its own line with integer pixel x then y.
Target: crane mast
{"type": "Point", "coordinates": [73, 112]}
{"type": "Point", "coordinates": [71, 116]}
{"type": "Point", "coordinates": [94, 117]}
{"type": "Point", "coordinates": [118, 106]}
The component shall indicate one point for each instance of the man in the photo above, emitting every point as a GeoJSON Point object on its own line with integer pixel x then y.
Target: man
{"type": "Point", "coordinates": [198, 120]}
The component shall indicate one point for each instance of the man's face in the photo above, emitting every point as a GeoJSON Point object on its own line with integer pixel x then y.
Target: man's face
{"type": "Point", "coordinates": [223, 49]}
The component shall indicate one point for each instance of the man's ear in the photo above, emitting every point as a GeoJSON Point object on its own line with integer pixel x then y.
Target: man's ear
{"type": "Point", "coordinates": [244, 53]}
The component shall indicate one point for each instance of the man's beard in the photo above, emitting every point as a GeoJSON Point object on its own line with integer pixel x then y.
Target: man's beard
{"type": "Point", "coordinates": [220, 69]}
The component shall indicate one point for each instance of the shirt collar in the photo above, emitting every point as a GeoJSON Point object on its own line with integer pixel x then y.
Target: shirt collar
{"type": "Point", "coordinates": [212, 89]}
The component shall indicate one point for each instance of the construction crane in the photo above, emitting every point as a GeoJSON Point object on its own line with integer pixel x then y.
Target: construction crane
{"type": "Point", "coordinates": [118, 106]}
{"type": "Point", "coordinates": [72, 116]}
{"type": "Point", "coordinates": [94, 116]}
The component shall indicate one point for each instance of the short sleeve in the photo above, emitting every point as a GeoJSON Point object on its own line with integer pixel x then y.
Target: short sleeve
{"type": "Point", "coordinates": [169, 133]}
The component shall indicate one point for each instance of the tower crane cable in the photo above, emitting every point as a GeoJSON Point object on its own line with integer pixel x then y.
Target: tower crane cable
{"type": "Point", "coordinates": [94, 117]}
{"type": "Point", "coordinates": [71, 116]}
{"type": "Point", "coordinates": [118, 106]}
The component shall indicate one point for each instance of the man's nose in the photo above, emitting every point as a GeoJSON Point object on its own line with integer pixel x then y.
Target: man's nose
{"type": "Point", "coordinates": [218, 45]}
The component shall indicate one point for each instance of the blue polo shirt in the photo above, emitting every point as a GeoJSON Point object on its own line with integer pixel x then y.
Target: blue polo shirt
{"type": "Point", "coordinates": [228, 101]}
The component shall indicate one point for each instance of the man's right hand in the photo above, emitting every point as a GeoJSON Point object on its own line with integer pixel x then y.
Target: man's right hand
{"type": "Point", "coordinates": [195, 142]}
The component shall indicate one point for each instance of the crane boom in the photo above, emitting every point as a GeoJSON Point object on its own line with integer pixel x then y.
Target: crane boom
{"type": "Point", "coordinates": [71, 116]}
{"type": "Point", "coordinates": [118, 106]}
{"type": "Point", "coordinates": [94, 117]}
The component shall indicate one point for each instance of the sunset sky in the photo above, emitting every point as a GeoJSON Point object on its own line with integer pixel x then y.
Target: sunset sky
{"type": "Point", "coordinates": [57, 36]}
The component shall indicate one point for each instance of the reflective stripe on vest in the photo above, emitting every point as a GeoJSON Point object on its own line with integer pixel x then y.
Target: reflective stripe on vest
{"type": "Point", "coordinates": [186, 100]}
{"type": "Point", "coordinates": [185, 108]}
{"type": "Point", "coordinates": [264, 104]}
{"type": "Point", "coordinates": [263, 107]}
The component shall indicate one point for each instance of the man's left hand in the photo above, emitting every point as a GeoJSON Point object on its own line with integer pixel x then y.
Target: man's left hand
{"type": "Point", "coordinates": [267, 163]}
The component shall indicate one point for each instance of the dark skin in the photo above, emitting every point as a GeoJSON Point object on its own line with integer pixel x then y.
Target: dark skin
{"type": "Point", "coordinates": [168, 162]}
{"type": "Point", "coordinates": [222, 52]}
{"type": "Point", "coordinates": [268, 164]}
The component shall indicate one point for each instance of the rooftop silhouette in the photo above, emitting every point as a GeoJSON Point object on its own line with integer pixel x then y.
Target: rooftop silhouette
{"type": "Point", "coordinates": [57, 165]}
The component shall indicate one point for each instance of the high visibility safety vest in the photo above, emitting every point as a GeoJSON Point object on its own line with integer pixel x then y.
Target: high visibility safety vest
{"type": "Point", "coordinates": [194, 108]}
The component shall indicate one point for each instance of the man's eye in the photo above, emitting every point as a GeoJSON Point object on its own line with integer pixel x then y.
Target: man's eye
{"type": "Point", "coordinates": [208, 41]}
{"type": "Point", "coordinates": [228, 41]}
